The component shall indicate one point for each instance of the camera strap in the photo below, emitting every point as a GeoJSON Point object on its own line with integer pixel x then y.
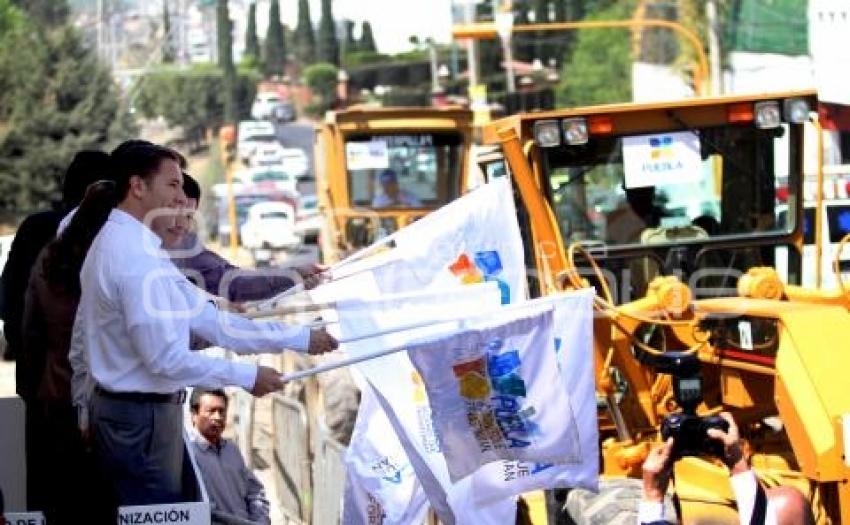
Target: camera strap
{"type": "Point", "coordinates": [759, 506]}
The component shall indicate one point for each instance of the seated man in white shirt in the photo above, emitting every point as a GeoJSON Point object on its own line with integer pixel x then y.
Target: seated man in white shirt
{"type": "Point", "coordinates": [774, 506]}
{"type": "Point", "coordinates": [134, 320]}
{"type": "Point", "coordinates": [391, 195]}
{"type": "Point", "coordinates": [232, 487]}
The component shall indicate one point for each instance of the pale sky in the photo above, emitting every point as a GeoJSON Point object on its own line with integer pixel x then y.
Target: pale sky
{"type": "Point", "coordinates": [393, 21]}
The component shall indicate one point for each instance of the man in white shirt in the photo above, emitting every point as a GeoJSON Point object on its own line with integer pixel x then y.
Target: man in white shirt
{"type": "Point", "coordinates": [135, 317]}
{"type": "Point", "coordinates": [774, 506]}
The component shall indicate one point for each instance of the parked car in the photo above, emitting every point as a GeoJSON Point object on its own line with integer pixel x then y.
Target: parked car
{"type": "Point", "coordinates": [263, 105]}
{"type": "Point", "coordinates": [280, 178]}
{"type": "Point", "coordinates": [251, 134]}
{"type": "Point", "coordinates": [267, 154]}
{"type": "Point", "coordinates": [294, 161]}
{"type": "Point", "coordinates": [270, 225]}
{"type": "Point", "coordinates": [308, 220]}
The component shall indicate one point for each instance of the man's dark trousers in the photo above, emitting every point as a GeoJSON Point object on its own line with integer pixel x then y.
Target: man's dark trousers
{"type": "Point", "coordinates": [138, 443]}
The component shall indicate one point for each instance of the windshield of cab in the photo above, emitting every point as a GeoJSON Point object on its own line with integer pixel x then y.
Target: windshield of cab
{"type": "Point", "coordinates": [410, 170]}
{"type": "Point", "coordinates": [672, 187]}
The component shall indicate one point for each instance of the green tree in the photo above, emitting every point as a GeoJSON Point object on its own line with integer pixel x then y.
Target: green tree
{"type": "Point", "coordinates": [224, 31]}
{"type": "Point", "coordinates": [321, 78]}
{"type": "Point", "coordinates": [349, 43]}
{"type": "Point", "coordinates": [45, 13]}
{"type": "Point", "coordinates": [327, 43]}
{"type": "Point", "coordinates": [56, 100]}
{"type": "Point", "coordinates": [599, 69]}
{"type": "Point", "coordinates": [367, 39]}
{"type": "Point", "coordinates": [523, 43]}
{"type": "Point", "coordinates": [274, 57]}
{"type": "Point", "coordinates": [167, 41]}
{"type": "Point", "coordinates": [252, 44]}
{"type": "Point", "coordinates": [305, 39]}
{"type": "Point", "coordinates": [193, 98]}
{"type": "Point", "coordinates": [543, 47]}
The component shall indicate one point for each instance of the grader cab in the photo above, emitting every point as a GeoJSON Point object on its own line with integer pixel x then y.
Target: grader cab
{"type": "Point", "coordinates": [378, 169]}
{"type": "Point", "coordinates": [678, 214]}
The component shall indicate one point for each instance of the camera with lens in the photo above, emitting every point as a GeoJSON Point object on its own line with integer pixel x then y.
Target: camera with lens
{"type": "Point", "coordinates": [690, 433]}
{"type": "Point", "coordinates": [688, 430]}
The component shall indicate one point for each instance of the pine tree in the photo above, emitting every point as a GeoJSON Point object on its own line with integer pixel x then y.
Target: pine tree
{"type": "Point", "coordinates": [542, 48]}
{"type": "Point", "coordinates": [367, 40]}
{"type": "Point", "coordinates": [167, 41]}
{"type": "Point", "coordinates": [328, 46]}
{"type": "Point", "coordinates": [224, 28]}
{"type": "Point", "coordinates": [305, 39]}
{"type": "Point", "coordinates": [56, 99]}
{"type": "Point", "coordinates": [274, 57]}
{"type": "Point", "coordinates": [349, 43]}
{"type": "Point", "coordinates": [523, 43]}
{"type": "Point", "coordinates": [252, 44]}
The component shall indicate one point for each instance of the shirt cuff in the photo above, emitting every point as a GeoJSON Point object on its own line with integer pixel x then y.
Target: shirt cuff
{"type": "Point", "coordinates": [245, 375]}
{"type": "Point", "coordinates": [650, 512]}
{"type": "Point", "coordinates": [301, 341]}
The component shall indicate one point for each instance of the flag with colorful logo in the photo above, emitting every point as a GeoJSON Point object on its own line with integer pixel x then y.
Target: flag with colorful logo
{"type": "Point", "coordinates": [400, 389]}
{"type": "Point", "coordinates": [381, 486]}
{"type": "Point", "coordinates": [471, 240]}
{"type": "Point", "coordinates": [496, 393]}
{"type": "Point", "coordinates": [573, 330]}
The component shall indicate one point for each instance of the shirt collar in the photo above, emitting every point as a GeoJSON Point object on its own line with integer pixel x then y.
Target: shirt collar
{"type": "Point", "coordinates": [203, 444]}
{"type": "Point", "coordinates": [123, 218]}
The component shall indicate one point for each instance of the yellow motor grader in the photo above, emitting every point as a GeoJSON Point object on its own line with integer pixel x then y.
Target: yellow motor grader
{"type": "Point", "coordinates": [379, 169]}
{"type": "Point", "coordinates": [679, 214]}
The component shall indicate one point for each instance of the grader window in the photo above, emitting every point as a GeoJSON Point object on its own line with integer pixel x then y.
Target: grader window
{"type": "Point", "coordinates": [672, 187]}
{"type": "Point", "coordinates": [412, 170]}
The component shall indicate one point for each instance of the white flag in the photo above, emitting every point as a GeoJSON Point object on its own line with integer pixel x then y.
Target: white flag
{"type": "Point", "coordinates": [381, 486]}
{"type": "Point", "coordinates": [400, 389]}
{"type": "Point", "coordinates": [496, 394]}
{"type": "Point", "coordinates": [573, 329]}
{"type": "Point", "coordinates": [471, 240]}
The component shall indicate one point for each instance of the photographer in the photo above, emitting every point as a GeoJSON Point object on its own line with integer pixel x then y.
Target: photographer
{"type": "Point", "coordinates": [756, 505]}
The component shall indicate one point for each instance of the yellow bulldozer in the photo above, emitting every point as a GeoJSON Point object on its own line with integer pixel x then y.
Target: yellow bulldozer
{"type": "Point", "coordinates": [680, 215]}
{"type": "Point", "coordinates": [378, 169]}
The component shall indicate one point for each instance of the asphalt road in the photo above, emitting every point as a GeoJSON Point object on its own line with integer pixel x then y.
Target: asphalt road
{"type": "Point", "coordinates": [300, 134]}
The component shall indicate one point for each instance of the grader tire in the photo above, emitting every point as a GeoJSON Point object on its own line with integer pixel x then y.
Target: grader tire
{"type": "Point", "coordinates": [615, 504]}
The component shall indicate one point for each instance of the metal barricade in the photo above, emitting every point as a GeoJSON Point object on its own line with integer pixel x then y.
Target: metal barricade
{"type": "Point", "coordinates": [291, 458]}
{"type": "Point", "coordinates": [243, 424]}
{"type": "Point", "coordinates": [328, 480]}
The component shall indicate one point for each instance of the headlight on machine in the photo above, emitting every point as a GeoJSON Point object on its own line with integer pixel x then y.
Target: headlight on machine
{"type": "Point", "coordinates": [575, 131]}
{"type": "Point", "coordinates": [547, 133]}
{"type": "Point", "coordinates": [767, 114]}
{"type": "Point", "coordinates": [796, 110]}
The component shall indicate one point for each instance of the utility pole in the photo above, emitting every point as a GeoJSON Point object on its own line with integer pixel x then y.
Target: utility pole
{"type": "Point", "coordinates": [713, 47]}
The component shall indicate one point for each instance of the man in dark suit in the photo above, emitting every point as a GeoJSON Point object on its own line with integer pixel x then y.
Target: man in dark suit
{"type": "Point", "coordinates": [32, 235]}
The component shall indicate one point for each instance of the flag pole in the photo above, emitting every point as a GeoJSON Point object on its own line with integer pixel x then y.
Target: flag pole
{"type": "Point", "coordinates": [541, 302]}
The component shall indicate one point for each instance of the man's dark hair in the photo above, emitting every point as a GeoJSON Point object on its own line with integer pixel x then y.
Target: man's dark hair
{"type": "Point", "coordinates": [191, 187]}
{"type": "Point", "coordinates": [139, 157]}
{"type": "Point", "coordinates": [87, 167]}
{"type": "Point", "coordinates": [197, 392]}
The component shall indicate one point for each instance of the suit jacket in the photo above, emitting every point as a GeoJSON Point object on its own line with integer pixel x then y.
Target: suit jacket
{"type": "Point", "coordinates": [32, 235]}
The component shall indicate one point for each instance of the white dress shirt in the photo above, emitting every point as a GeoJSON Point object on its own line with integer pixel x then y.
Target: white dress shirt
{"type": "Point", "coordinates": [132, 328]}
